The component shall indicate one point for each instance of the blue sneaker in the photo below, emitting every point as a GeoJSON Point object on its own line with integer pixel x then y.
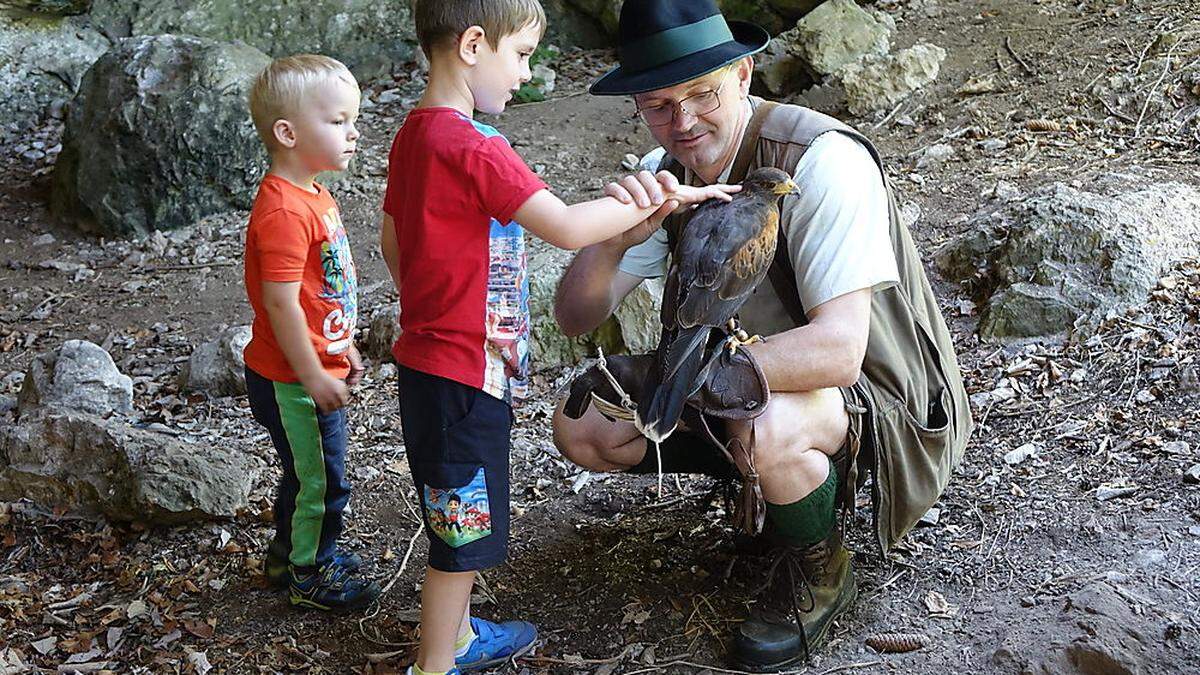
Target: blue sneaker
{"type": "Point", "coordinates": [494, 644]}
{"type": "Point", "coordinates": [330, 588]}
{"type": "Point", "coordinates": [278, 568]}
{"type": "Point", "coordinates": [452, 671]}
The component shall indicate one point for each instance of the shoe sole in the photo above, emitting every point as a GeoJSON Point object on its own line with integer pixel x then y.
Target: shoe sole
{"type": "Point", "coordinates": [302, 602]}
{"type": "Point", "coordinates": [481, 665]}
{"type": "Point", "coordinates": [815, 644]}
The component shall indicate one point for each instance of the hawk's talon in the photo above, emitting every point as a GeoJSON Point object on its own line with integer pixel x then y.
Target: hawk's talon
{"type": "Point", "coordinates": [741, 339]}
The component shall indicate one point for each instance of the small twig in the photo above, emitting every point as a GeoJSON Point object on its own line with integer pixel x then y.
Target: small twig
{"type": "Point", "coordinates": [404, 563]}
{"type": "Point", "coordinates": [380, 657]}
{"type": "Point", "coordinates": [1137, 129]}
{"type": "Point", "coordinates": [1017, 57]}
{"type": "Point", "coordinates": [889, 117]}
{"type": "Point", "coordinates": [184, 268]}
{"type": "Point", "coordinates": [1114, 112]}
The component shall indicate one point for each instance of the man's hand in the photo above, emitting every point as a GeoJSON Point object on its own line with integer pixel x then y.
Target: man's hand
{"type": "Point", "coordinates": [356, 366]}
{"type": "Point", "coordinates": [327, 392]}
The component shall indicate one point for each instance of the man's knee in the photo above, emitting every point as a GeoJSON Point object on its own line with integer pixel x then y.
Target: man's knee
{"type": "Point", "coordinates": [577, 441]}
{"type": "Point", "coordinates": [796, 424]}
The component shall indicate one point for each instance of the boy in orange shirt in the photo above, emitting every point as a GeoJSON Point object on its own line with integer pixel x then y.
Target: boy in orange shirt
{"type": "Point", "coordinates": [301, 283]}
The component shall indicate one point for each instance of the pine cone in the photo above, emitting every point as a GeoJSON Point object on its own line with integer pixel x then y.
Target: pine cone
{"type": "Point", "coordinates": [895, 643]}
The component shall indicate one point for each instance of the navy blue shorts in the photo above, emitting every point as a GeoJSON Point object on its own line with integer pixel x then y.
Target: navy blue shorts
{"type": "Point", "coordinates": [457, 440]}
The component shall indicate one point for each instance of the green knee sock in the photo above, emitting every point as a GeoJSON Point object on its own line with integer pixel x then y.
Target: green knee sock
{"type": "Point", "coordinates": [809, 520]}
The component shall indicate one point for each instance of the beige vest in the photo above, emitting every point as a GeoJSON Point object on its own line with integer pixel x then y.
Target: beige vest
{"type": "Point", "coordinates": [920, 418]}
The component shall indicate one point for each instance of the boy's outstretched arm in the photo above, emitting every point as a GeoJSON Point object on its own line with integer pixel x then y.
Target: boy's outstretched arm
{"type": "Point", "coordinates": [282, 301]}
{"type": "Point", "coordinates": [579, 225]}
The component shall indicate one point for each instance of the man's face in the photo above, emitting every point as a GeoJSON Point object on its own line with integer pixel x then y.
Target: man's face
{"type": "Point", "coordinates": [702, 142]}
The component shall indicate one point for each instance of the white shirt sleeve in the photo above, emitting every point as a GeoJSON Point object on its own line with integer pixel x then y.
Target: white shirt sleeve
{"type": "Point", "coordinates": [649, 258]}
{"type": "Point", "coordinates": [837, 228]}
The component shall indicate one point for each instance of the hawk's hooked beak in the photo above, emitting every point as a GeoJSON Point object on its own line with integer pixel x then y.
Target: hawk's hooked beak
{"type": "Point", "coordinates": [787, 187]}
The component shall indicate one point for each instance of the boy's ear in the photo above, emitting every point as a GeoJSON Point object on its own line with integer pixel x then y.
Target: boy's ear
{"type": "Point", "coordinates": [284, 133]}
{"type": "Point", "coordinates": [469, 43]}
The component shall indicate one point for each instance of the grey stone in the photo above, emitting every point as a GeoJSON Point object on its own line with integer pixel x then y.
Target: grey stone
{"type": "Point", "coordinates": [41, 62]}
{"type": "Point", "coordinates": [1021, 454]}
{"type": "Point", "coordinates": [1192, 475]}
{"type": "Point", "coordinates": [43, 8]}
{"type": "Point", "coordinates": [878, 83]}
{"type": "Point", "coordinates": [1063, 258]}
{"type": "Point", "coordinates": [1150, 558]}
{"type": "Point", "coordinates": [7, 404]}
{"type": "Point", "coordinates": [780, 69]}
{"type": "Point", "coordinates": [160, 136]}
{"type": "Point", "coordinates": [12, 381]}
{"type": "Point", "coordinates": [217, 367]}
{"type": "Point", "coordinates": [840, 33]}
{"type": "Point", "coordinates": [102, 467]}
{"type": "Point", "coordinates": [79, 375]}
{"type": "Point", "coordinates": [634, 328]}
{"type": "Point", "coordinates": [382, 333]}
{"type": "Point", "coordinates": [935, 155]}
{"type": "Point", "coordinates": [366, 35]}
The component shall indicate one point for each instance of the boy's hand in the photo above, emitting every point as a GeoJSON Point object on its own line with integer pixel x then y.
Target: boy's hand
{"type": "Point", "coordinates": [356, 367]}
{"type": "Point", "coordinates": [328, 392]}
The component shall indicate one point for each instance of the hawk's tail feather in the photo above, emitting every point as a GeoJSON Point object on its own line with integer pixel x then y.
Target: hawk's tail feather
{"type": "Point", "coordinates": [674, 377]}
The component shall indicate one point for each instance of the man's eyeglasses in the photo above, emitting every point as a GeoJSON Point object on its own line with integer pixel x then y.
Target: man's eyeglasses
{"type": "Point", "coordinates": [695, 105]}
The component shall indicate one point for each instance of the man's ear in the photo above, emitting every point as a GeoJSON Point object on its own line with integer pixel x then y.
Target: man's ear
{"type": "Point", "coordinates": [284, 133]}
{"type": "Point", "coordinates": [745, 70]}
{"type": "Point", "coordinates": [469, 43]}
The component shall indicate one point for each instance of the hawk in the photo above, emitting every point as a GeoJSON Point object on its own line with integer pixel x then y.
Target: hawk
{"type": "Point", "coordinates": [721, 255]}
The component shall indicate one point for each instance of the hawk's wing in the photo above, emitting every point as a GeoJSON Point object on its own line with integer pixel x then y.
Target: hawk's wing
{"type": "Point", "coordinates": [722, 255]}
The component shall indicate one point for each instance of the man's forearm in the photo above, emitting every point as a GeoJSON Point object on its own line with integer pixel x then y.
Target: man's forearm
{"type": "Point", "coordinates": [585, 294]}
{"type": "Point", "coordinates": [808, 358]}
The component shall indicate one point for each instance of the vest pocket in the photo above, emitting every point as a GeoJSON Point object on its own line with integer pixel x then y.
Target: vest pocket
{"type": "Point", "coordinates": [914, 464]}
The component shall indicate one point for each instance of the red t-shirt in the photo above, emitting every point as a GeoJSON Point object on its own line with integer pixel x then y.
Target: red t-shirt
{"type": "Point", "coordinates": [453, 186]}
{"type": "Point", "coordinates": [295, 235]}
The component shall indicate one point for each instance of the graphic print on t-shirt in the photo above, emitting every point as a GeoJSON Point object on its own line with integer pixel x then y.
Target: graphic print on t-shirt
{"type": "Point", "coordinates": [507, 312]}
{"type": "Point", "coordinates": [340, 285]}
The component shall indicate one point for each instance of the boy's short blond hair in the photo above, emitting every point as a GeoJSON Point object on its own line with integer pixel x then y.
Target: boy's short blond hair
{"type": "Point", "coordinates": [439, 22]}
{"type": "Point", "coordinates": [279, 90]}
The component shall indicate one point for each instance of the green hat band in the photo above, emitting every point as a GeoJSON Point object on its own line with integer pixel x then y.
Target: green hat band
{"type": "Point", "coordinates": [675, 43]}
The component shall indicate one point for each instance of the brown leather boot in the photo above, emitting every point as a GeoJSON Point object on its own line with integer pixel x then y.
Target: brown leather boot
{"type": "Point", "coordinates": [808, 587]}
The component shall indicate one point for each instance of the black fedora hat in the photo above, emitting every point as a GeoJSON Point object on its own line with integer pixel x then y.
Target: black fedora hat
{"type": "Point", "coordinates": [662, 43]}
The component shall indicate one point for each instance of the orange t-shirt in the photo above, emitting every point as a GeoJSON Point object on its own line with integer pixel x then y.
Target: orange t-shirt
{"type": "Point", "coordinates": [295, 235]}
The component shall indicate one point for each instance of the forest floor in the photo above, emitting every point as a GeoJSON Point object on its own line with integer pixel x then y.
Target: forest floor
{"type": "Point", "coordinates": [1081, 557]}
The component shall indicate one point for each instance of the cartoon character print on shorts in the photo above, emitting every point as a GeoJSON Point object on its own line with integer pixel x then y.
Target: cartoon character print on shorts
{"type": "Point", "coordinates": [459, 516]}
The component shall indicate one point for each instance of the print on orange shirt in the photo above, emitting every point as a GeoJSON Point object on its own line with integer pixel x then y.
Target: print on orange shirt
{"type": "Point", "coordinates": [340, 285]}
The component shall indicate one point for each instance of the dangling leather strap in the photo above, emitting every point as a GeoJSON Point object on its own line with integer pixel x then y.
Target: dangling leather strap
{"type": "Point", "coordinates": [745, 154]}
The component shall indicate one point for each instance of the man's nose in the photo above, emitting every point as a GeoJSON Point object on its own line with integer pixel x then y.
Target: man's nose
{"type": "Point", "coordinates": [683, 119]}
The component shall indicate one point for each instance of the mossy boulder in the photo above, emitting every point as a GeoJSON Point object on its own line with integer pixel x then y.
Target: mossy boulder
{"type": "Point", "coordinates": [160, 136]}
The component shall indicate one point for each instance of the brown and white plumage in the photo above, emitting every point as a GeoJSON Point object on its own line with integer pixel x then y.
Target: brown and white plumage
{"type": "Point", "coordinates": [721, 255]}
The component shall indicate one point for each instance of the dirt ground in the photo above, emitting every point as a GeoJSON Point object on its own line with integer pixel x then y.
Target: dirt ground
{"type": "Point", "coordinates": [1081, 558]}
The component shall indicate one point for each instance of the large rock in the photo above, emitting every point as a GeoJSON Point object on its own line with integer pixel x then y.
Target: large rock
{"type": "Point", "coordinates": [367, 35]}
{"type": "Point", "coordinates": [780, 69]}
{"type": "Point", "coordinates": [1064, 257]}
{"type": "Point", "coordinates": [79, 375]}
{"type": "Point", "coordinates": [20, 8]}
{"type": "Point", "coordinates": [217, 367]}
{"type": "Point", "coordinates": [160, 136]}
{"type": "Point", "coordinates": [634, 328]}
{"type": "Point", "coordinates": [839, 33]}
{"type": "Point", "coordinates": [41, 65]}
{"type": "Point", "coordinates": [88, 465]}
{"type": "Point", "coordinates": [880, 82]}
{"type": "Point", "coordinates": [769, 14]}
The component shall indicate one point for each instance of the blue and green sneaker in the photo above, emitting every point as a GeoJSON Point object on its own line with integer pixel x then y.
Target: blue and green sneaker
{"type": "Point", "coordinates": [277, 566]}
{"type": "Point", "coordinates": [330, 588]}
